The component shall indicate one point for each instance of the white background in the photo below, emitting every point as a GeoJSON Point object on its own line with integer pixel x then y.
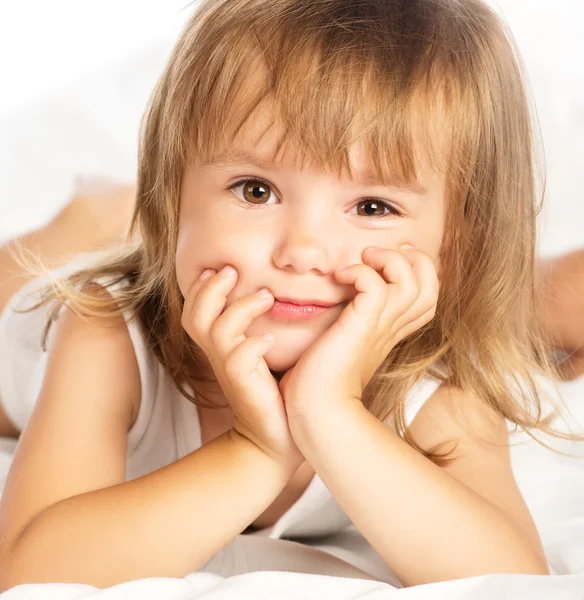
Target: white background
{"type": "Point", "coordinates": [75, 76]}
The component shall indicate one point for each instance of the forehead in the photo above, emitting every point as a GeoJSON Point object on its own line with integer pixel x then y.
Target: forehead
{"type": "Point", "coordinates": [259, 142]}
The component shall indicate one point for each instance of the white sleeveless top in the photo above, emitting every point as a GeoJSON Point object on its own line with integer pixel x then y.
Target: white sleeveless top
{"type": "Point", "coordinates": [167, 426]}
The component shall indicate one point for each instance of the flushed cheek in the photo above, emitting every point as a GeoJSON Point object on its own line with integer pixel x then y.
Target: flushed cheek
{"type": "Point", "coordinates": [188, 264]}
{"type": "Point", "coordinates": [200, 248]}
{"type": "Point", "coordinates": [196, 251]}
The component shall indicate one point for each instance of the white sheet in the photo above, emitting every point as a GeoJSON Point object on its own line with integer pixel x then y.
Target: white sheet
{"type": "Point", "coordinates": [346, 566]}
{"type": "Point", "coordinates": [91, 127]}
{"type": "Point", "coordinates": [290, 570]}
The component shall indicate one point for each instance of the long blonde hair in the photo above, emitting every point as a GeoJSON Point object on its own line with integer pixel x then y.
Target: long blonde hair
{"type": "Point", "coordinates": [438, 81]}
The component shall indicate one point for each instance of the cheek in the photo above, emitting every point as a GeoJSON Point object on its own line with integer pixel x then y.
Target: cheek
{"type": "Point", "coordinates": [191, 257]}
{"type": "Point", "coordinates": [202, 246]}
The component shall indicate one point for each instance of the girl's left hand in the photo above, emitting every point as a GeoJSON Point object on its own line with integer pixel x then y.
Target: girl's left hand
{"type": "Point", "coordinates": [397, 293]}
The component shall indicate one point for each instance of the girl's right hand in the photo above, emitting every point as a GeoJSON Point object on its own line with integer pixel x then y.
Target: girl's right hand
{"type": "Point", "coordinates": [238, 361]}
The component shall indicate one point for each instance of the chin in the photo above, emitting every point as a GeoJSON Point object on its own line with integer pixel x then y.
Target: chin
{"type": "Point", "coordinates": [277, 375]}
{"type": "Point", "coordinates": [290, 345]}
{"type": "Point", "coordinates": [280, 362]}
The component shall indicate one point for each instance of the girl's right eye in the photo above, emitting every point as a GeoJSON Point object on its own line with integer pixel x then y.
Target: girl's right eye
{"type": "Point", "coordinates": [255, 191]}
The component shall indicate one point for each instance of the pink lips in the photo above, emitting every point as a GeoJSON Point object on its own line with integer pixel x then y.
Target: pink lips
{"type": "Point", "coordinates": [297, 312]}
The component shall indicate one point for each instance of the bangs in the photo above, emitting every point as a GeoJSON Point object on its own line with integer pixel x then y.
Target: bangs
{"type": "Point", "coordinates": [327, 81]}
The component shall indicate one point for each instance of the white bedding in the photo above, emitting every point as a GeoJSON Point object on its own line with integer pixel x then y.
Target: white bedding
{"type": "Point", "coordinates": [290, 570]}
{"type": "Point", "coordinates": [345, 565]}
{"type": "Point", "coordinates": [91, 127]}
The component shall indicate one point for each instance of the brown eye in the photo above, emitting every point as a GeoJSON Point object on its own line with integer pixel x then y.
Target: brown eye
{"type": "Point", "coordinates": [254, 191]}
{"type": "Point", "coordinates": [371, 209]}
{"type": "Point", "coordinates": [376, 208]}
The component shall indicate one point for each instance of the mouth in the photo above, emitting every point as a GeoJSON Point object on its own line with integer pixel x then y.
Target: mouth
{"type": "Point", "coordinates": [306, 302]}
{"type": "Point", "coordinates": [299, 310]}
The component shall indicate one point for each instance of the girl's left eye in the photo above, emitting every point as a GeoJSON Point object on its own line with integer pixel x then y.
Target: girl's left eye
{"type": "Point", "coordinates": [256, 191]}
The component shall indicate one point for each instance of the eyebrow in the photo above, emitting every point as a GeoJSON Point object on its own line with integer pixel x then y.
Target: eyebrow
{"type": "Point", "coordinates": [239, 156]}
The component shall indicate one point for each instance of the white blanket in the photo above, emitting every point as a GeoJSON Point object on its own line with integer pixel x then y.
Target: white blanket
{"type": "Point", "coordinates": [342, 568]}
{"type": "Point", "coordinates": [345, 565]}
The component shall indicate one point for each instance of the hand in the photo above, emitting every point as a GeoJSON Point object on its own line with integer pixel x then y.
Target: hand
{"type": "Point", "coordinates": [397, 293]}
{"type": "Point", "coordinates": [238, 362]}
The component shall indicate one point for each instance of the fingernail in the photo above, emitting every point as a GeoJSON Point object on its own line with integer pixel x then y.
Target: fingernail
{"type": "Point", "coordinates": [227, 271]}
{"type": "Point", "coordinates": [206, 274]}
{"type": "Point", "coordinates": [406, 247]}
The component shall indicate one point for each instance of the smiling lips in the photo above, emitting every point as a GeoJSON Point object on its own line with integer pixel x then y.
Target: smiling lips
{"type": "Point", "coordinates": [287, 310]}
{"type": "Point", "coordinates": [307, 302]}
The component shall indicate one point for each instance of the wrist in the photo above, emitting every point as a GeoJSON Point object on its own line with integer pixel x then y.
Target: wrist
{"type": "Point", "coordinates": [311, 428]}
{"type": "Point", "coordinates": [286, 467]}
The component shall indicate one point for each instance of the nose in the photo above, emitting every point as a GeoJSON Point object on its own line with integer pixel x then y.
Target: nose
{"type": "Point", "coordinates": [307, 245]}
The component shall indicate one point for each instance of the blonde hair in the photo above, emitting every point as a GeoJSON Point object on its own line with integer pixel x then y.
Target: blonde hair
{"type": "Point", "coordinates": [435, 82]}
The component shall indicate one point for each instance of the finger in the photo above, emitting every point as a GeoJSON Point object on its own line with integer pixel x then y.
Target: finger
{"type": "Point", "coordinates": [399, 307]}
{"type": "Point", "coordinates": [428, 276]}
{"type": "Point", "coordinates": [195, 288]}
{"type": "Point", "coordinates": [427, 295]}
{"type": "Point", "coordinates": [396, 265]}
{"type": "Point", "coordinates": [229, 329]}
{"type": "Point", "coordinates": [210, 302]}
{"type": "Point", "coordinates": [413, 326]}
{"type": "Point", "coordinates": [371, 295]}
{"type": "Point", "coordinates": [248, 356]}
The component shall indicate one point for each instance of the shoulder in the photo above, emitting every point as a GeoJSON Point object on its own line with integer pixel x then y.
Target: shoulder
{"type": "Point", "coordinates": [479, 436]}
{"type": "Point", "coordinates": [107, 340]}
{"type": "Point", "coordinates": [76, 438]}
{"type": "Point", "coordinates": [454, 416]}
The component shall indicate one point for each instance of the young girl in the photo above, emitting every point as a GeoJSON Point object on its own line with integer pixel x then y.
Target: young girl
{"type": "Point", "coordinates": [253, 358]}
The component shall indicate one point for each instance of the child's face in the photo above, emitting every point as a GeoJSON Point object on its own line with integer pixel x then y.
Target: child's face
{"type": "Point", "coordinates": [302, 227]}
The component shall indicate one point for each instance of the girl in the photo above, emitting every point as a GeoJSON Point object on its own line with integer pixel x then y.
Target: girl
{"type": "Point", "coordinates": [266, 332]}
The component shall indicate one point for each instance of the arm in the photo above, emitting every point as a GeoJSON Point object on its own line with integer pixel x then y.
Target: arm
{"type": "Point", "coordinates": [428, 523]}
{"type": "Point", "coordinates": [67, 513]}
{"type": "Point", "coordinates": [165, 524]}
